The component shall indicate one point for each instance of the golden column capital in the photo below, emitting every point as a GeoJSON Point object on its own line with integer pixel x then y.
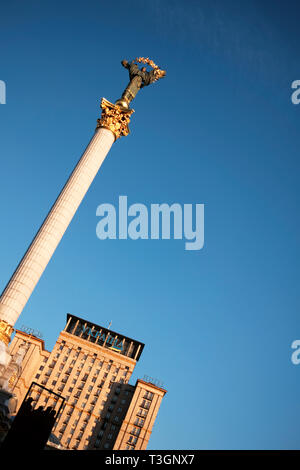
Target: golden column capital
{"type": "Point", "coordinates": [114, 117]}
{"type": "Point", "coordinates": [6, 331]}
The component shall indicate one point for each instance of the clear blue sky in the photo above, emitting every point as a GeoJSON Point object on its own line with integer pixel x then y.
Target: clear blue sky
{"type": "Point", "coordinates": [220, 130]}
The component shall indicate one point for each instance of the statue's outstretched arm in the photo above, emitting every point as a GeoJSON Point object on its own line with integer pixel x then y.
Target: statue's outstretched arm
{"type": "Point", "coordinates": [125, 64]}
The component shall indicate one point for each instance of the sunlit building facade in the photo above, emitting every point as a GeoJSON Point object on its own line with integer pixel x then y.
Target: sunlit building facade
{"type": "Point", "coordinates": [90, 366]}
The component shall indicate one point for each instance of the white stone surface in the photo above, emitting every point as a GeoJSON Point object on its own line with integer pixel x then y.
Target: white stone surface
{"type": "Point", "coordinates": [31, 267]}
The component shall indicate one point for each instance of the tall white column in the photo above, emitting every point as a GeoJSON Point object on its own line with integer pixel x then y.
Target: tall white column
{"type": "Point", "coordinates": [112, 125]}
{"type": "Point", "coordinates": [36, 258]}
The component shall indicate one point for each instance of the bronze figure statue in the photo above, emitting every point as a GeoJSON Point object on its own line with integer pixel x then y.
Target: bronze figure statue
{"type": "Point", "coordinates": [116, 117]}
{"type": "Point", "coordinates": [139, 77]}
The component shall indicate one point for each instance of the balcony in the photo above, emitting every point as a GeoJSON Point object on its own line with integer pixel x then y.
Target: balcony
{"type": "Point", "coordinates": [148, 396]}
{"type": "Point", "coordinates": [139, 422]}
{"type": "Point", "coordinates": [145, 405]}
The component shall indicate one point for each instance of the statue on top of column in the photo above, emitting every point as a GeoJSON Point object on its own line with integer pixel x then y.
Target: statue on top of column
{"type": "Point", "coordinates": [139, 77]}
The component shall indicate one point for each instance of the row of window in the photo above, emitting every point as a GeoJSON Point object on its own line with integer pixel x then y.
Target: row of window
{"type": "Point", "coordinates": [116, 419]}
{"type": "Point", "coordinates": [139, 421]}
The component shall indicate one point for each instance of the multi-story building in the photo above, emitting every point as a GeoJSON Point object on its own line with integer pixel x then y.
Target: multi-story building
{"type": "Point", "coordinates": [90, 366]}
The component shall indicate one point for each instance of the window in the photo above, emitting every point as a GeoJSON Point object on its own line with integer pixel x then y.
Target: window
{"type": "Point", "coordinates": [97, 443]}
{"type": "Point", "coordinates": [143, 413]}
{"type": "Point", "coordinates": [145, 404]}
{"type": "Point", "coordinates": [139, 422]}
{"type": "Point", "coordinates": [136, 431]}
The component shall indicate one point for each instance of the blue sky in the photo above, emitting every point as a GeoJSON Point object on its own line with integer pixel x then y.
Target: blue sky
{"type": "Point", "coordinates": [219, 130]}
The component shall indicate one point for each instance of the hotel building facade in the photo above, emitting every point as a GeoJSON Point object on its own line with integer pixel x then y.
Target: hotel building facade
{"type": "Point", "coordinates": [90, 366]}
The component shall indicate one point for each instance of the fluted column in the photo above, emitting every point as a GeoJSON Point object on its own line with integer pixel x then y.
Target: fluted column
{"type": "Point", "coordinates": [112, 125]}
{"type": "Point", "coordinates": [36, 258]}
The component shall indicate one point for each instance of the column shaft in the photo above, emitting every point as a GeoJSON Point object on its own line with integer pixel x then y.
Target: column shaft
{"type": "Point", "coordinates": [36, 258]}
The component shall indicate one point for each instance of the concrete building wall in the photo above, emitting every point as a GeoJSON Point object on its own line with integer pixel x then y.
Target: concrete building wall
{"type": "Point", "coordinates": [137, 425]}
{"type": "Point", "coordinates": [35, 357]}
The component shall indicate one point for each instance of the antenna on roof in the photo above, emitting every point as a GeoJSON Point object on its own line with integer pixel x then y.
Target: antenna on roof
{"type": "Point", "coordinates": [109, 325]}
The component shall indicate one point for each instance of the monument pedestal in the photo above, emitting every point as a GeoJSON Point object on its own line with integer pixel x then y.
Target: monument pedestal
{"type": "Point", "coordinates": [8, 405]}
